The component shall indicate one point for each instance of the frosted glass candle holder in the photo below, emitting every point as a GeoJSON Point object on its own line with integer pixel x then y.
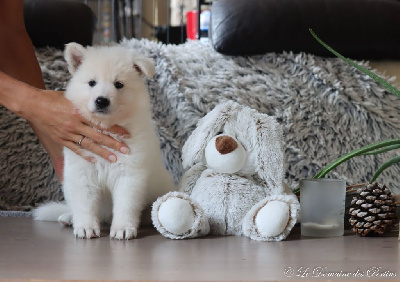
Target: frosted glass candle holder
{"type": "Point", "coordinates": [322, 203]}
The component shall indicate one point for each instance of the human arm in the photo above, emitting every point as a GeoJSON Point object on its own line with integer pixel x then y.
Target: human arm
{"type": "Point", "coordinates": [50, 114]}
{"type": "Point", "coordinates": [56, 122]}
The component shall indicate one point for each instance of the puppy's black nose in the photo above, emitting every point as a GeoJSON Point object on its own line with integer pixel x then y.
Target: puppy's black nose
{"type": "Point", "coordinates": [102, 103]}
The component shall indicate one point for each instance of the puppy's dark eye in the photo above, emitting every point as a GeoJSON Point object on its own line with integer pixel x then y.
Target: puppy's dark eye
{"type": "Point", "coordinates": [219, 132]}
{"type": "Point", "coordinates": [92, 83]}
{"type": "Point", "coordinates": [118, 85]}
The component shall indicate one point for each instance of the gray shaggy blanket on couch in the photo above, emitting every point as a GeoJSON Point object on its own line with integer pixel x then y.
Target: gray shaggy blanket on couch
{"type": "Point", "coordinates": [327, 109]}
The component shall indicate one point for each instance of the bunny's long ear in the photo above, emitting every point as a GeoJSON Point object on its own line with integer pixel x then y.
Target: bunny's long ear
{"type": "Point", "coordinates": [267, 136]}
{"type": "Point", "coordinates": [74, 54]}
{"type": "Point", "coordinates": [207, 128]}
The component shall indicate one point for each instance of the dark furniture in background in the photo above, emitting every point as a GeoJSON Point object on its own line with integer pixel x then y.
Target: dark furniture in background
{"type": "Point", "coordinates": [360, 29]}
{"type": "Point", "coordinates": [56, 23]}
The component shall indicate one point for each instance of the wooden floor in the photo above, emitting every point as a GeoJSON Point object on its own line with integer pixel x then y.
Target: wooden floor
{"type": "Point", "coordinates": [46, 250]}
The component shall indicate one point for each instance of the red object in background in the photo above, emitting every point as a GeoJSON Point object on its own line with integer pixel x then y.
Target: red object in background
{"type": "Point", "coordinates": [191, 25]}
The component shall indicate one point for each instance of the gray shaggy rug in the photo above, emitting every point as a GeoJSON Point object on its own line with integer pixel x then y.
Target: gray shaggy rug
{"type": "Point", "coordinates": [327, 108]}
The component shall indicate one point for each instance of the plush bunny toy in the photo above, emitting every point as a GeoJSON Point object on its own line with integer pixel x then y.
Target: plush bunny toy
{"type": "Point", "coordinates": [234, 182]}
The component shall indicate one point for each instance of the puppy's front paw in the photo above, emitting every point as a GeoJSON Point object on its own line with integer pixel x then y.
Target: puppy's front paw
{"type": "Point", "coordinates": [87, 231]}
{"type": "Point", "coordinates": [123, 232]}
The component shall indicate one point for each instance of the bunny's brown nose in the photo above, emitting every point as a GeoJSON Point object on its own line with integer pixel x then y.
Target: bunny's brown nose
{"type": "Point", "coordinates": [225, 144]}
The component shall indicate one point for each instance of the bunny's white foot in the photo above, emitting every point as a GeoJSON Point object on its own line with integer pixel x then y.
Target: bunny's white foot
{"type": "Point", "coordinates": [272, 218]}
{"type": "Point", "coordinates": [176, 216]}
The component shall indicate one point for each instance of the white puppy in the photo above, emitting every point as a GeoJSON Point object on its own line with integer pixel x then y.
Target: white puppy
{"type": "Point", "coordinates": [107, 88]}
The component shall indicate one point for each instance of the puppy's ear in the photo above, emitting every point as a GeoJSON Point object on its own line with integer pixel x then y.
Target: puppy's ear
{"type": "Point", "coordinates": [74, 54]}
{"type": "Point", "coordinates": [144, 66]}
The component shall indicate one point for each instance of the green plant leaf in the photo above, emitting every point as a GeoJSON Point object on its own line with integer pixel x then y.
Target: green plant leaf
{"type": "Point", "coordinates": [355, 153]}
{"type": "Point", "coordinates": [389, 163]}
{"type": "Point", "coordinates": [372, 149]}
{"type": "Point", "coordinates": [358, 152]}
{"type": "Point", "coordinates": [383, 150]}
{"type": "Point", "coordinates": [378, 79]}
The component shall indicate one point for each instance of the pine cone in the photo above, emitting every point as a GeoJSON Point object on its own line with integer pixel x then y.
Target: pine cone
{"type": "Point", "coordinates": [373, 211]}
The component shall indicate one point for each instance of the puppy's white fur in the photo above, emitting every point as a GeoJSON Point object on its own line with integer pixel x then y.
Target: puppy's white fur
{"type": "Point", "coordinates": [103, 191]}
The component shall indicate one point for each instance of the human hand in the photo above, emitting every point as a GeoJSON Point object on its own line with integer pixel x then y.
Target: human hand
{"type": "Point", "coordinates": [56, 118]}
